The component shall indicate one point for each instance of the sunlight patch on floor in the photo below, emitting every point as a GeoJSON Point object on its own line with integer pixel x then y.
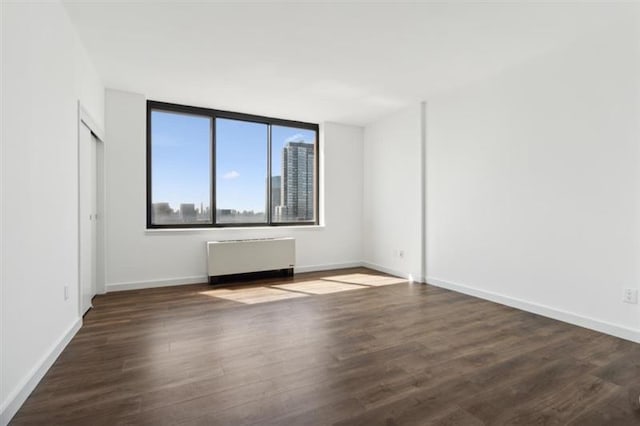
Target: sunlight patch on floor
{"type": "Point", "coordinates": [318, 287]}
{"type": "Point", "coordinates": [252, 295]}
{"type": "Point", "coordinates": [366, 279]}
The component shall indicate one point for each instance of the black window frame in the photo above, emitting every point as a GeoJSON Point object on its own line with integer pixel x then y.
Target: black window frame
{"type": "Point", "coordinates": [213, 114]}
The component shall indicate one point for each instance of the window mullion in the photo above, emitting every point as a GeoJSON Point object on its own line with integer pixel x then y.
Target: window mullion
{"type": "Point", "coordinates": [269, 177]}
{"type": "Point", "coordinates": [213, 204]}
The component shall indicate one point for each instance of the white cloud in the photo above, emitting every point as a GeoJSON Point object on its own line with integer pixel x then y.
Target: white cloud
{"type": "Point", "coordinates": [231, 175]}
{"type": "Point", "coordinates": [298, 137]}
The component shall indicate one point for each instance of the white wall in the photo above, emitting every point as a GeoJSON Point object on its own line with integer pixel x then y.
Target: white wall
{"type": "Point", "coordinates": [534, 183]}
{"type": "Point", "coordinates": [44, 72]}
{"type": "Point", "coordinates": [393, 193]}
{"type": "Point", "coordinates": [138, 258]}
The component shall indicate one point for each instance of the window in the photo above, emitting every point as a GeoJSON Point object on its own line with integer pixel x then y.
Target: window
{"type": "Point", "coordinates": [241, 171]}
{"type": "Point", "coordinates": [208, 168]}
{"type": "Point", "coordinates": [181, 172]}
{"type": "Point", "coordinates": [293, 164]}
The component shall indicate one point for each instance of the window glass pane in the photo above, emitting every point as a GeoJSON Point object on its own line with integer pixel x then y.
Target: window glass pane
{"type": "Point", "coordinates": [241, 171]}
{"type": "Point", "coordinates": [180, 168]}
{"type": "Point", "coordinates": [293, 168]}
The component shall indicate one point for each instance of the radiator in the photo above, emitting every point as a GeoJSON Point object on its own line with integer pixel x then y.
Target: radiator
{"type": "Point", "coordinates": [245, 256]}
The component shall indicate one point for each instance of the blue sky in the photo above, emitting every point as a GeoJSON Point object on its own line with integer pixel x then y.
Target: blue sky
{"type": "Point", "coordinates": [181, 160]}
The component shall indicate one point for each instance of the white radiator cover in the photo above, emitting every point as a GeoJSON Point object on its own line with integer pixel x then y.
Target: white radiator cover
{"type": "Point", "coordinates": [243, 256]}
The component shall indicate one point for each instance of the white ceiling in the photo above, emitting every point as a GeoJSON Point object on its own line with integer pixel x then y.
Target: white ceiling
{"type": "Point", "coordinates": [338, 61]}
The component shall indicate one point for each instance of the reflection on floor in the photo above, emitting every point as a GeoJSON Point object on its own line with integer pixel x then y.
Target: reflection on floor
{"type": "Point", "coordinates": [252, 294]}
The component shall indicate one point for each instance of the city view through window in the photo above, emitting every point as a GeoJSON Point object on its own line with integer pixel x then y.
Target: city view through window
{"type": "Point", "coordinates": [181, 171]}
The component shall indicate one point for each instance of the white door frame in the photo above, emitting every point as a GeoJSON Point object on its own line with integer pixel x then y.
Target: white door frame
{"type": "Point", "coordinates": [85, 119]}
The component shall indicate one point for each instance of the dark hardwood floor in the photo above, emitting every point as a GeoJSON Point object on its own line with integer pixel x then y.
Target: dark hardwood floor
{"type": "Point", "coordinates": [342, 347]}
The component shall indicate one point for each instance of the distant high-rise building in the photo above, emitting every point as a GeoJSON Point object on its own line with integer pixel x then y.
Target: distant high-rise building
{"type": "Point", "coordinates": [297, 189]}
{"type": "Point", "coordinates": [188, 212]}
{"type": "Point", "coordinates": [162, 213]}
{"type": "Point", "coordinates": [276, 194]}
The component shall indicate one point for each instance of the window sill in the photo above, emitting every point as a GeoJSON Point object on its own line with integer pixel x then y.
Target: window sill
{"type": "Point", "coordinates": [247, 229]}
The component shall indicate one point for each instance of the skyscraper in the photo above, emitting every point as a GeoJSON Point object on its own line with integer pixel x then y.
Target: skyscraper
{"type": "Point", "coordinates": [188, 212]}
{"type": "Point", "coordinates": [298, 166]}
{"type": "Point", "coordinates": [276, 194]}
{"type": "Point", "coordinates": [162, 213]}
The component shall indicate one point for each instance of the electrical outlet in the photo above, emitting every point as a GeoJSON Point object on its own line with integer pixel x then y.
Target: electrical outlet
{"type": "Point", "coordinates": [401, 254]}
{"type": "Point", "coordinates": [630, 295]}
{"type": "Point", "coordinates": [66, 292]}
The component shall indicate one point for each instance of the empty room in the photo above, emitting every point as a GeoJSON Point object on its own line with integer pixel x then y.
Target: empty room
{"type": "Point", "coordinates": [320, 213]}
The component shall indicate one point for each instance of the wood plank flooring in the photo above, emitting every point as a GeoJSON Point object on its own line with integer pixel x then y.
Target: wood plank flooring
{"type": "Point", "coordinates": [348, 347]}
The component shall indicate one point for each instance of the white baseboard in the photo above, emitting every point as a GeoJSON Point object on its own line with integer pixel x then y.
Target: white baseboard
{"type": "Point", "coordinates": [139, 285]}
{"type": "Point", "coordinates": [19, 395]}
{"type": "Point", "coordinates": [546, 311]}
{"type": "Point", "coordinates": [327, 267]}
{"type": "Point", "coordinates": [400, 274]}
